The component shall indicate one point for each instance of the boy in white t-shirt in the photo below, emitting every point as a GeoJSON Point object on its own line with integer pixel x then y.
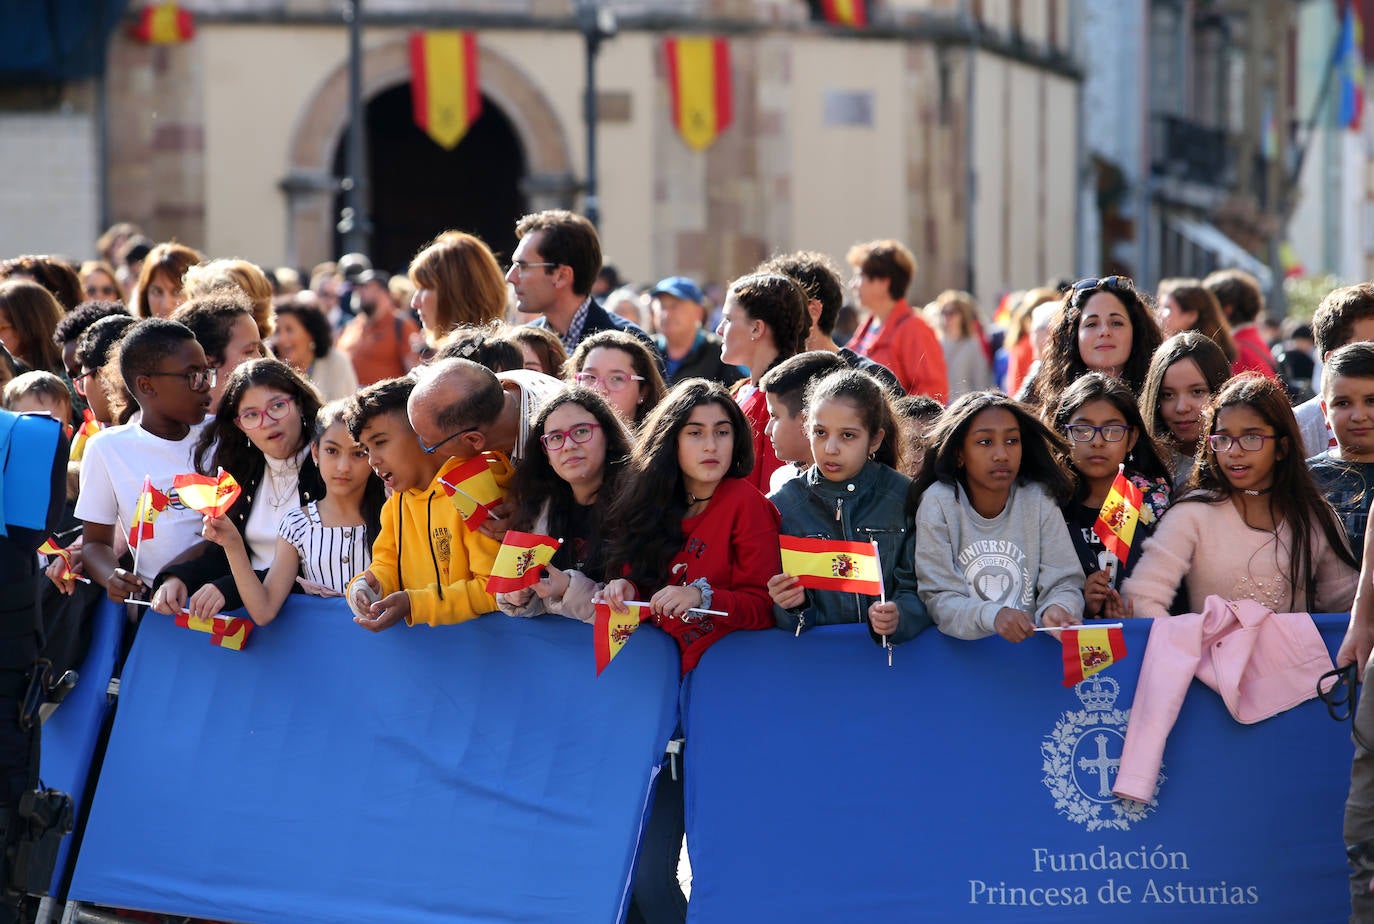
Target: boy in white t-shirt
{"type": "Point", "coordinates": [166, 372]}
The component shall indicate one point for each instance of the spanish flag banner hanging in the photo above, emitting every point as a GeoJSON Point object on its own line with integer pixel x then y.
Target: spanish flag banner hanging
{"type": "Point", "coordinates": [519, 562]}
{"type": "Point", "coordinates": [1120, 512]}
{"type": "Point", "coordinates": [612, 630]}
{"type": "Point", "coordinates": [208, 494]}
{"type": "Point", "coordinates": [89, 428]}
{"type": "Point", "coordinates": [826, 564]}
{"type": "Point", "coordinates": [225, 631]}
{"type": "Point", "coordinates": [163, 24]}
{"type": "Point", "coordinates": [151, 502]}
{"type": "Point", "coordinates": [699, 85]}
{"type": "Point", "coordinates": [445, 91]}
{"type": "Point", "coordinates": [1090, 650]}
{"type": "Point", "coordinates": [473, 491]}
{"type": "Point", "coordinates": [841, 12]}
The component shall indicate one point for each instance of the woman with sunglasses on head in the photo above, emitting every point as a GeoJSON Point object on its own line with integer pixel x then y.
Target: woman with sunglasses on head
{"type": "Point", "coordinates": [1105, 326]}
{"type": "Point", "coordinates": [575, 458]}
{"type": "Point", "coordinates": [261, 434]}
{"type": "Point", "coordinates": [1099, 418]}
{"type": "Point", "coordinates": [620, 368]}
{"type": "Point", "coordinates": [1253, 525]}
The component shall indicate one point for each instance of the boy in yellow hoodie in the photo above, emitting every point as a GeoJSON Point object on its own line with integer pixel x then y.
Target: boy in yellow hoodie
{"type": "Point", "coordinates": [427, 566]}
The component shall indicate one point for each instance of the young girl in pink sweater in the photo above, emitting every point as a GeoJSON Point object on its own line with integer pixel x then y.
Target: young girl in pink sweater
{"type": "Point", "coordinates": [1253, 525]}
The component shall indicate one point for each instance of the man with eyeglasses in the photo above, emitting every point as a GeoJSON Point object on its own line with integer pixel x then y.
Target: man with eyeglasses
{"type": "Point", "coordinates": [552, 272]}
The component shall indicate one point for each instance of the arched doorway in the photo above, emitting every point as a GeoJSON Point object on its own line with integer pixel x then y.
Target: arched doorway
{"type": "Point", "coordinates": [418, 189]}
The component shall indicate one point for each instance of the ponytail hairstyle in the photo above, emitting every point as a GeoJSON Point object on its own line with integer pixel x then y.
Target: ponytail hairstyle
{"type": "Point", "coordinates": [780, 303]}
{"type": "Point", "coordinates": [649, 509]}
{"type": "Point", "coordinates": [1041, 449]}
{"type": "Point", "coordinates": [1143, 458]}
{"type": "Point", "coordinates": [1294, 496]}
{"type": "Point", "coordinates": [862, 392]}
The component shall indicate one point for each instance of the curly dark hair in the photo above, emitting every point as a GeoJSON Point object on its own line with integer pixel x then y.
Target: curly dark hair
{"type": "Point", "coordinates": [1062, 362]}
{"type": "Point", "coordinates": [313, 320]}
{"type": "Point", "coordinates": [780, 302]}
{"type": "Point", "coordinates": [221, 443]}
{"type": "Point", "coordinates": [649, 510]}
{"type": "Point", "coordinates": [77, 321]}
{"type": "Point", "coordinates": [1098, 387]}
{"type": "Point", "coordinates": [536, 483]}
{"type": "Point", "coordinates": [1041, 448]}
{"type": "Point", "coordinates": [1294, 497]}
{"type": "Point", "coordinates": [481, 344]}
{"type": "Point", "coordinates": [819, 279]}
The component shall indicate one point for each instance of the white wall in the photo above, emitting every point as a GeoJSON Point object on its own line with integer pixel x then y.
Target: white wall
{"type": "Point", "coordinates": [50, 202]}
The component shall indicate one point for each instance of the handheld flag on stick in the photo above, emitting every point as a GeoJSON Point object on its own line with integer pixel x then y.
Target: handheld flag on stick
{"type": "Point", "coordinates": [612, 630]}
{"type": "Point", "coordinates": [89, 428]}
{"type": "Point", "coordinates": [210, 495]}
{"type": "Point", "coordinates": [225, 631]}
{"type": "Point", "coordinates": [1120, 512]}
{"type": "Point", "coordinates": [882, 598]}
{"type": "Point", "coordinates": [825, 564]}
{"type": "Point", "coordinates": [50, 547]}
{"type": "Point", "coordinates": [1089, 650]}
{"type": "Point", "coordinates": [151, 502]}
{"type": "Point", "coordinates": [473, 491]}
{"type": "Point", "coordinates": [518, 563]}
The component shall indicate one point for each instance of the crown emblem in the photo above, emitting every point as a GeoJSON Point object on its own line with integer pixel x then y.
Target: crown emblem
{"type": "Point", "coordinates": [1098, 694]}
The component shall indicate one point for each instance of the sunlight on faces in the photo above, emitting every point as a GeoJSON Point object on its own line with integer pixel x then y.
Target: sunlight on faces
{"type": "Point", "coordinates": [425, 303]}
{"type": "Point", "coordinates": [738, 333]}
{"type": "Point", "coordinates": [1098, 458]}
{"type": "Point", "coordinates": [343, 464]}
{"type": "Point", "coordinates": [1173, 319]}
{"type": "Point", "coordinates": [606, 363]}
{"type": "Point", "coordinates": [244, 344]}
{"type": "Point", "coordinates": [394, 453]}
{"type": "Point", "coordinates": [840, 442]}
{"type": "Point", "coordinates": [164, 295]}
{"type": "Point", "coordinates": [1104, 333]}
{"type": "Point", "coordinates": [169, 393]}
{"type": "Point", "coordinates": [991, 454]}
{"type": "Point", "coordinates": [788, 433]}
{"type": "Point", "coordinates": [279, 439]}
{"type": "Point", "coordinates": [677, 318]}
{"type": "Point", "coordinates": [9, 335]}
{"type": "Point", "coordinates": [581, 465]}
{"type": "Point", "coordinates": [1247, 470]}
{"type": "Point", "coordinates": [1183, 396]}
{"type": "Point", "coordinates": [535, 288]}
{"type": "Point", "coordinates": [1350, 411]}
{"type": "Point", "coordinates": [704, 448]}
{"type": "Point", "coordinates": [528, 358]}
{"type": "Point", "coordinates": [293, 342]}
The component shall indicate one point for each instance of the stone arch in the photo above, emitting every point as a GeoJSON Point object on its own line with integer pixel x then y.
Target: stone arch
{"type": "Point", "coordinates": [309, 184]}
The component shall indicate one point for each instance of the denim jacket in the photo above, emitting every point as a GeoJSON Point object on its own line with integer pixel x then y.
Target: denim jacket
{"type": "Point", "coordinates": [870, 507]}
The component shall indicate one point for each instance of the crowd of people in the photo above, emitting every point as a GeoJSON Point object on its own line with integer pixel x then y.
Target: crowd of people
{"type": "Point", "coordinates": [670, 441]}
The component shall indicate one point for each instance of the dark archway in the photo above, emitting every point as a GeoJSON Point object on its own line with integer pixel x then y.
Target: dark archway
{"type": "Point", "coordinates": [418, 189]}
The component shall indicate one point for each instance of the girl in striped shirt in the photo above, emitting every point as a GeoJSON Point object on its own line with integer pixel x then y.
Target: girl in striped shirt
{"type": "Point", "coordinates": [321, 545]}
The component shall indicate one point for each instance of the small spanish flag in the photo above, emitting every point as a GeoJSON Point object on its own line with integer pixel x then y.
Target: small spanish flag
{"type": "Point", "coordinates": [50, 547]}
{"type": "Point", "coordinates": [151, 502]}
{"type": "Point", "coordinates": [89, 428]}
{"type": "Point", "coordinates": [518, 563]}
{"type": "Point", "coordinates": [208, 494]}
{"type": "Point", "coordinates": [699, 84]}
{"type": "Point", "coordinates": [1120, 512]}
{"type": "Point", "coordinates": [473, 491]}
{"type": "Point", "coordinates": [841, 12]}
{"type": "Point", "coordinates": [1089, 650]}
{"type": "Point", "coordinates": [163, 24]}
{"type": "Point", "coordinates": [445, 92]}
{"type": "Point", "coordinates": [825, 564]}
{"type": "Point", "coordinates": [612, 630]}
{"type": "Point", "coordinates": [225, 631]}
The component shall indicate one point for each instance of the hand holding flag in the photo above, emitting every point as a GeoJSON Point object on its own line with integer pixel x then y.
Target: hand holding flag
{"type": "Point", "coordinates": [89, 428]}
{"type": "Point", "coordinates": [1120, 512]}
{"type": "Point", "coordinates": [612, 630]}
{"type": "Point", "coordinates": [825, 564]}
{"type": "Point", "coordinates": [210, 495]}
{"type": "Point", "coordinates": [473, 491]}
{"type": "Point", "coordinates": [50, 547]}
{"type": "Point", "coordinates": [520, 560]}
{"type": "Point", "coordinates": [1089, 649]}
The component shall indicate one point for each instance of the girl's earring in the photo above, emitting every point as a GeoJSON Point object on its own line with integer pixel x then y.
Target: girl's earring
{"type": "Point", "coordinates": [246, 440]}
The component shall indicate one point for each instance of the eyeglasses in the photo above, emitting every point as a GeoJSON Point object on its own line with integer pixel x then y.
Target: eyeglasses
{"type": "Point", "coordinates": [578, 433]}
{"type": "Point", "coordinates": [1086, 433]}
{"type": "Point", "coordinates": [79, 383]}
{"type": "Point", "coordinates": [1250, 442]}
{"type": "Point", "coordinates": [520, 266]}
{"type": "Point", "coordinates": [1119, 283]}
{"type": "Point", "coordinates": [429, 450]}
{"type": "Point", "coordinates": [275, 410]}
{"type": "Point", "coordinates": [197, 379]}
{"type": "Point", "coordinates": [616, 381]}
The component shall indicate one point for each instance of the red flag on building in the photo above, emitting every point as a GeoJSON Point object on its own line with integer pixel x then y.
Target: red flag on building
{"type": "Point", "coordinates": [699, 84]}
{"type": "Point", "coordinates": [841, 12]}
{"type": "Point", "coordinates": [151, 502]}
{"type": "Point", "coordinates": [518, 563]}
{"type": "Point", "coordinates": [445, 91]}
{"type": "Point", "coordinates": [1120, 512]}
{"type": "Point", "coordinates": [1090, 650]}
{"type": "Point", "coordinates": [163, 24]}
{"type": "Point", "coordinates": [612, 630]}
{"type": "Point", "coordinates": [208, 494]}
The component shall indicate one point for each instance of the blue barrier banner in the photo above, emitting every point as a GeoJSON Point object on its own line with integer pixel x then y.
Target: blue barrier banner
{"type": "Point", "coordinates": [966, 784]}
{"type": "Point", "coordinates": [71, 733]}
{"type": "Point", "coordinates": [479, 772]}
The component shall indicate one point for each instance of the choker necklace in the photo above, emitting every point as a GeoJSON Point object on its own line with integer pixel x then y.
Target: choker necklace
{"type": "Point", "coordinates": [1256, 493]}
{"type": "Point", "coordinates": [693, 500]}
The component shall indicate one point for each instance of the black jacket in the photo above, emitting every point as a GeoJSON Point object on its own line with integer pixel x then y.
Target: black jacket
{"type": "Point", "coordinates": [703, 362]}
{"type": "Point", "coordinates": [599, 319]}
